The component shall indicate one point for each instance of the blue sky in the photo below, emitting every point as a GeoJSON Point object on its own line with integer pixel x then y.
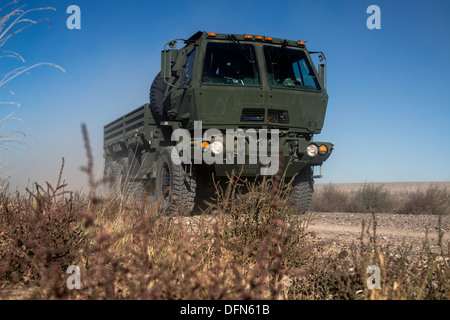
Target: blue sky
{"type": "Point", "coordinates": [388, 109]}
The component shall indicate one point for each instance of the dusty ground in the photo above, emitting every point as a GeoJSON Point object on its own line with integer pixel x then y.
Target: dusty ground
{"type": "Point", "coordinates": [344, 228]}
{"type": "Point", "coordinates": [393, 228]}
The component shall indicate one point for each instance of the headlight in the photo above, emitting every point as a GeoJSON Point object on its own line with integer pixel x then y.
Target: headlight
{"type": "Point", "coordinates": [216, 147]}
{"type": "Point", "coordinates": [312, 150]}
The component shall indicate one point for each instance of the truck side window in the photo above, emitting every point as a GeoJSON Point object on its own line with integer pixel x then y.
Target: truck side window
{"type": "Point", "coordinates": [188, 68]}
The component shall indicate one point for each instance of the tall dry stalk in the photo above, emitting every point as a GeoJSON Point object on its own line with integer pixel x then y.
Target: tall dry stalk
{"type": "Point", "coordinates": [14, 19]}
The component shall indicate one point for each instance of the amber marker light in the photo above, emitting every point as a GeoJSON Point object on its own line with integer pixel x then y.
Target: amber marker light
{"type": "Point", "coordinates": [247, 36]}
{"type": "Point", "coordinates": [268, 38]}
{"type": "Point", "coordinates": [258, 37]}
{"type": "Point", "coordinates": [301, 43]}
{"type": "Point", "coordinates": [323, 150]}
{"type": "Point", "coordinates": [211, 34]}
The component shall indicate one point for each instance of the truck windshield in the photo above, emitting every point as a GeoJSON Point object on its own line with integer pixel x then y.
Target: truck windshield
{"type": "Point", "coordinates": [289, 69]}
{"type": "Point", "coordinates": [227, 64]}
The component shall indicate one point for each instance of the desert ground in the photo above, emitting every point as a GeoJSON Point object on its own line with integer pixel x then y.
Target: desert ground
{"type": "Point", "coordinates": [343, 227]}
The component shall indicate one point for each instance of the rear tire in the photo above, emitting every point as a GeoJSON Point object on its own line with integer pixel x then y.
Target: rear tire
{"type": "Point", "coordinates": [112, 173]}
{"type": "Point", "coordinates": [174, 188]}
{"type": "Point", "coordinates": [302, 190]}
{"type": "Point", "coordinates": [123, 181]}
{"type": "Point", "coordinates": [138, 189]}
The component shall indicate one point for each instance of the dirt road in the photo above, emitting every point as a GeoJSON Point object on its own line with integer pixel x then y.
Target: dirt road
{"type": "Point", "coordinates": [344, 228]}
{"type": "Point", "coordinates": [393, 228]}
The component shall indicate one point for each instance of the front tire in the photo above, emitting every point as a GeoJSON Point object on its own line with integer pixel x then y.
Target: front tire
{"type": "Point", "coordinates": [302, 190]}
{"type": "Point", "coordinates": [174, 188]}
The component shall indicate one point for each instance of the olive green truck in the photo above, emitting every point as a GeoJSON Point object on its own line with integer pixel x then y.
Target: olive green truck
{"type": "Point", "coordinates": [223, 103]}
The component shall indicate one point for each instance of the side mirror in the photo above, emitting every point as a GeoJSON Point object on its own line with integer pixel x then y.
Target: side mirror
{"type": "Point", "coordinates": [173, 44]}
{"type": "Point", "coordinates": [322, 75]}
{"type": "Point", "coordinates": [322, 68]}
{"type": "Point", "coordinates": [168, 58]}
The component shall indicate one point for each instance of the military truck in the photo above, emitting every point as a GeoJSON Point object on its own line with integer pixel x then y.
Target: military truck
{"type": "Point", "coordinates": [236, 83]}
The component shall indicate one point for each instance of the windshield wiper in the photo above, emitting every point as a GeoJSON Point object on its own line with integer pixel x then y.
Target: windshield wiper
{"type": "Point", "coordinates": [280, 51]}
{"type": "Point", "coordinates": [239, 45]}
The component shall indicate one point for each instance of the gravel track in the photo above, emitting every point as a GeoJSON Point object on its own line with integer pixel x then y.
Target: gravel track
{"type": "Point", "coordinates": [393, 228]}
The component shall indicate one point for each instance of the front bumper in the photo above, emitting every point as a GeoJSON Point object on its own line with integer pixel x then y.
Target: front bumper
{"type": "Point", "coordinates": [292, 158]}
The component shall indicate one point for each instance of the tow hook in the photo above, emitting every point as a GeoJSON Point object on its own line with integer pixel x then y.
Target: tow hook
{"type": "Point", "coordinates": [319, 175]}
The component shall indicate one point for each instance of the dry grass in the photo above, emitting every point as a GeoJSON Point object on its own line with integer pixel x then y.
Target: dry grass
{"type": "Point", "coordinates": [250, 247]}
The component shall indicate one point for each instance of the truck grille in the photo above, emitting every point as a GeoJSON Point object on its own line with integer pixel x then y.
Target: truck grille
{"type": "Point", "coordinates": [277, 116]}
{"type": "Point", "coordinates": [252, 114]}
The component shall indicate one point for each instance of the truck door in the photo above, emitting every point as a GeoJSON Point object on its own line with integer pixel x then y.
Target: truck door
{"type": "Point", "coordinates": [181, 95]}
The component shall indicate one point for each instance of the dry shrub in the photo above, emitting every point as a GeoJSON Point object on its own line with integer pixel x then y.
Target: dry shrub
{"type": "Point", "coordinates": [330, 199]}
{"type": "Point", "coordinates": [433, 200]}
{"type": "Point", "coordinates": [38, 230]}
{"type": "Point", "coordinates": [241, 248]}
{"type": "Point", "coordinates": [372, 198]}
